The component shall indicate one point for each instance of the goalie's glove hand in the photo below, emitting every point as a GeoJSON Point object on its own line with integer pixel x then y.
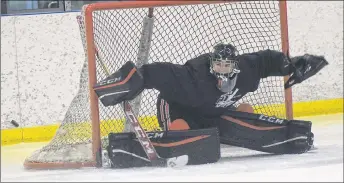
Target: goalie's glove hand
{"type": "Point", "coordinates": [303, 67]}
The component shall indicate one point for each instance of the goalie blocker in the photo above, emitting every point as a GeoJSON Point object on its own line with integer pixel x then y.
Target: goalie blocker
{"type": "Point", "coordinates": [253, 131]}
{"type": "Point", "coordinates": [125, 84]}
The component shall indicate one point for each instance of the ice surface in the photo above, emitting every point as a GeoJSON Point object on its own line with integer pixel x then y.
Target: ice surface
{"type": "Point", "coordinates": [237, 164]}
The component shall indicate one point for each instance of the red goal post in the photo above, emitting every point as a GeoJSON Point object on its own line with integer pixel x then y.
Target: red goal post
{"type": "Point", "coordinates": [105, 44]}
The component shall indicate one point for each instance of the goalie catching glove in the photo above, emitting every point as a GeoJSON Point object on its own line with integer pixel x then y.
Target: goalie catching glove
{"type": "Point", "coordinates": [303, 67]}
{"type": "Point", "coordinates": [124, 84]}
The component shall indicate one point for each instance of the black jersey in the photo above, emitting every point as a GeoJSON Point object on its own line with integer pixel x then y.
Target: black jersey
{"type": "Point", "coordinates": [191, 88]}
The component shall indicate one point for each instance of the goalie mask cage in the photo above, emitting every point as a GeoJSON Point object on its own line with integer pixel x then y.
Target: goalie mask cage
{"type": "Point", "coordinates": [158, 31]}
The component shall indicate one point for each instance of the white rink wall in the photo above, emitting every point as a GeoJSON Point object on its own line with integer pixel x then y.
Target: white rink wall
{"type": "Point", "coordinates": [42, 56]}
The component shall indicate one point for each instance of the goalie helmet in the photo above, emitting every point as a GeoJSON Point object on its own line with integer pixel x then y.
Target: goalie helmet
{"type": "Point", "coordinates": [224, 65]}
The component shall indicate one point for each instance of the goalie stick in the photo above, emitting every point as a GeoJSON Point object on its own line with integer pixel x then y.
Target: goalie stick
{"type": "Point", "coordinates": [141, 135]}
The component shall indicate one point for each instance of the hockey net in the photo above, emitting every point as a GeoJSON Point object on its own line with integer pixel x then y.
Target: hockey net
{"type": "Point", "coordinates": [158, 31]}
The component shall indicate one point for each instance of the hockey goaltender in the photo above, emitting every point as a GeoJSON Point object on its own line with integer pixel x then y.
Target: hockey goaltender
{"type": "Point", "coordinates": [195, 106]}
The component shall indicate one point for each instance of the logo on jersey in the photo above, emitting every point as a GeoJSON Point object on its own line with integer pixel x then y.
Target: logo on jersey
{"type": "Point", "coordinates": [227, 99]}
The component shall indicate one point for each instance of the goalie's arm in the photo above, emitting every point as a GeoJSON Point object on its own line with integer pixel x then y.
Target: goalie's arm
{"type": "Point", "coordinates": [268, 63]}
{"type": "Point", "coordinates": [274, 63]}
{"type": "Point", "coordinates": [171, 80]}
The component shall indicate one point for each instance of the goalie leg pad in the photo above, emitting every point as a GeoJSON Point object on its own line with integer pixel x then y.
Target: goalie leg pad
{"type": "Point", "coordinates": [266, 134]}
{"type": "Point", "coordinates": [201, 146]}
{"type": "Point", "coordinates": [124, 84]}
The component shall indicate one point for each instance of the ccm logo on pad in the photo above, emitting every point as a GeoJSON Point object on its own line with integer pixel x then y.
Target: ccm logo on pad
{"type": "Point", "coordinates": [271, 119]}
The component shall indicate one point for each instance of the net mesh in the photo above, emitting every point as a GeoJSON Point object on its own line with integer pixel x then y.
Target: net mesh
{"type": "Point", "coordinates": [178, 33]}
